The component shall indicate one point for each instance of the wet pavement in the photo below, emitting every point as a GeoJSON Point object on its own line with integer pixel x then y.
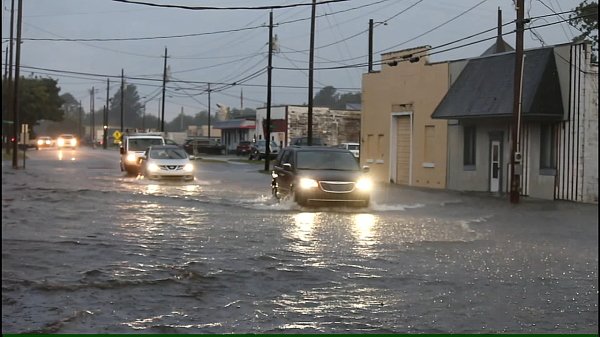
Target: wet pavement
{"type": "Point", "coordinates": [86, 249]}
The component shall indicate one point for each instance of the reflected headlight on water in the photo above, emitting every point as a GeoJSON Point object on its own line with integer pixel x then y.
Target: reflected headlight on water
{"type": "Point", "coordinates": [189, 167]}
{"type": "Point", "coordinates": [131, 158]}
{"type": "Point", "coordinates": [153, 168]}
{"type": "Point", "coordinates": [364, 184]}
{"type": "Point", "coordinates": [307, 183]}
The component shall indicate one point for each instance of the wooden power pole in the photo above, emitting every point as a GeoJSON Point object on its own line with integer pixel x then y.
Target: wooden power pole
{"type": "Point", "coordinates": [515, 160]}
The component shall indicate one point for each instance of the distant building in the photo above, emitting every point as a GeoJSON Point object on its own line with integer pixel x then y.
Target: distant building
{"type": "Point", "coordinates": [291, 121]}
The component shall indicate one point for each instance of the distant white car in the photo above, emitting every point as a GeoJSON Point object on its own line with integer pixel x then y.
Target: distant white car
{"type": "Point", "coordinates": [66, 140]}
{"type": "Point", "coordinates": [166, 161]}
{"type": "Point", "coordinates": [352, 147]}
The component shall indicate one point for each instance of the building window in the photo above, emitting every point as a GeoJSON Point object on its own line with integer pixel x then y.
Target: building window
{"type": "Point", "coordinates": [547, 147]}
{"type": "Point", "coordinates": [469, 146]}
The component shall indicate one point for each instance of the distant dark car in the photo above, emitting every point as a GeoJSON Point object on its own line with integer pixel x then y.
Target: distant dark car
{"type": "Point", "coordinates": [243, 148]}
{"type": "Point", "coordinates": [259, 150]}
{"type": "Point", "coordinates": [194, 146]}
{"type": "Point", "coordinates": [317, 175]}
{"type": "Point", "coordinates": [303, 141]}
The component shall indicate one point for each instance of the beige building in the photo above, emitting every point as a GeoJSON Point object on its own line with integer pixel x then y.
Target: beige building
{"type": "Point", "coordinates": [399, 140]}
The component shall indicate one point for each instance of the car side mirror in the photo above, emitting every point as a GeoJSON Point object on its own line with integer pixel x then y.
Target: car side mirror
{"type": "Point", "coordinates": [365, 169]}
{"type": "Point", "coordinates": [122, 150]}
{"type": "Point", "coordinates": [287, 166]}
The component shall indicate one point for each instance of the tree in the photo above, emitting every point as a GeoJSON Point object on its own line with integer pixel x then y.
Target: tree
{"type": "Point", "coordinates": [38, 99]}
{"type": "Point", "coordinates": [328, 97]}
{"type": "Point", "coordinates": [132, 108]}
{"type": "Point", "coordinates": [585, 19]}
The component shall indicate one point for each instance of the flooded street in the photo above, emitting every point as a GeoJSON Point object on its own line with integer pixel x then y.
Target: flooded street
{"type": "Point", "coordinates": [86, 249]}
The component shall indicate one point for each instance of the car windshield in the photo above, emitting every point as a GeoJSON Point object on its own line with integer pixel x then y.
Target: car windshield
{"type": "Point", "coordinates": [66, 136]}
{"type": "Point", "coordinates": [141, 144]}
{"type": "Point", "coordinates": [352, 147]}
{"type": "Point", "coordinates": [326, 160]}
{"type": "Point", "coordinates": [167, 154]}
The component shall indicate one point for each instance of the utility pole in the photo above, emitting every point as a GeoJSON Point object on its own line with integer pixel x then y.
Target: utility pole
{"type": "Point", "coordinates": [16, 88]}
{"type": "Point", "coordinates": [269, 71]}
{"type": "Point", "coordinates": [208, 110]}
{"type": "Point", "coordinates": [122, 96]}
{"type": "Point", "coordinates": [162, 122]}
{"type": "Point", "coordinates": [9, 105]}
{"type": "Point", "coordinates": [105, 124]}
{"type": "Point", "coordinates": [370, 45]}
{"type": "Point", "coordinates": [80, 114]}
{"type": "Point", "coordinates": [92, 107]}
{"type": "Point", "coordinates": [515, 160]}
{"type": "Point", "coordinates": [311, 60]}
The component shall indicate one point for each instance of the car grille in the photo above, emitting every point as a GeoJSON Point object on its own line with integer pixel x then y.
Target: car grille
{"type": "Point", "coordinates": [171, 167]}
{"type": "Point", "coordinates": [337, 186]}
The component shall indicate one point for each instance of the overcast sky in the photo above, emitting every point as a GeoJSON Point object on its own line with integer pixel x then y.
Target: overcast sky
{"type": "Point", "coordinates": [227, 46]}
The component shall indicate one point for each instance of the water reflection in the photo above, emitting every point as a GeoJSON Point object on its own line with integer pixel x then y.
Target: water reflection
{"type": "Point", "coordinates": [152, 188]}
{"type": "Point", "coordinates": [66, 155]}
{"type": "Point", "coordinates": [305, 223]}
{"type": "Point", "coordinates": [363, 232]}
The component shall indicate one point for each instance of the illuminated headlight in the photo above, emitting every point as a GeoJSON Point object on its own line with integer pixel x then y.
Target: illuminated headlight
{"type": "Point", "coordinates": [40, 142]}
{"type": "Point", "coordinates": [60, 142]}
{"type": "Point", "coordinates": [73, 142]}
{"type": "Point", "coordinates": [188, 167]}
{"type": "Point", "coordinates": [364, 184]}
{"type": "Point", "coordinates": [307, 183]}
{"type": "Point", "coordinates": [153, 168]}
{"type": "Point", "coordinates": [48, 142]}
{"type": "Point", "coordinates": [131, 158]}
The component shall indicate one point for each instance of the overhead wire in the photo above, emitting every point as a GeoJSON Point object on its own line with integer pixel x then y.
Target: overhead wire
{"type": "Point", "coordinates": [230, 7]}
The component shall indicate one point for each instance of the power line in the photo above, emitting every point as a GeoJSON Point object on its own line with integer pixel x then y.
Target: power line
{"type": "Point", "coordinates": [227, 8]}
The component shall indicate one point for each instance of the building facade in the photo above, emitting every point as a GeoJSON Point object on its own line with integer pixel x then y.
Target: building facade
{"type": "Point", "coordinates": [557, 129]}
{"type": "Point", "coordinates": [400, 142]}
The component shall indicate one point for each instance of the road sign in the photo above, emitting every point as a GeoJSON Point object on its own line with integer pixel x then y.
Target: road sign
{"type": "Point", "coordinates": [117, 134]}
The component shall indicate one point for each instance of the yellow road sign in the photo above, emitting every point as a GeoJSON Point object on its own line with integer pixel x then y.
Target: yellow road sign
{"type": "Point", "coordinates": [117, 134]}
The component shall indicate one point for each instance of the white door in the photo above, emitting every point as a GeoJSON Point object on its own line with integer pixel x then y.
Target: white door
{"type": "Point", "coordinates": [495, 166]}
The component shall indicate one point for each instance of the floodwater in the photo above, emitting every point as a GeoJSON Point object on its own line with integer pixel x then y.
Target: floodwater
{"type": "Point", "coordinates": [86, 249]}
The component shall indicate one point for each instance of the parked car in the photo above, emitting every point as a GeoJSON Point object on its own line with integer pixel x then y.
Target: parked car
{"type": "Point", "coordinates": [259, 150]}
{"type": "Point", "coordinates": [66, 140]}
{"type": "Point", "coordinates": [352, 147]}
{"type": "Point", "coordinates": [194, 146]}
{"type": "Point", "coordinates": [243, 148]}
{"type": "Point", "coordinates": [166, 161]}
{"type": "Point", "coordinates": [303, 141]}
{"type": "Point", "coordinates": [43, 142]}
{"type": "Point", "coordinates": [310, 174]}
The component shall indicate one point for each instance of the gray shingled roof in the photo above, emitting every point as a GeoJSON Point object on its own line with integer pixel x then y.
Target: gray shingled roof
{"type": "Point", "coordinates": [485, 88]}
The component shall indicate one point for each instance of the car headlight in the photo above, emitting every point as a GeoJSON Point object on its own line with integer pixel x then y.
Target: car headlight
{"type": "Point", "coordinates": [48, 142]}
{"type": "Point", "coordinates": [60, 142]}
{"type": "Point", "coordinates": [131, 158]}
{"type": "Point", "coordinates": [40, 142]}
{"type": "Point", "coordinates": [364, 184]}
{"type": "Point", "coordinates": [153, 168]}
{"type": "Point", "coordinates": [307, 183]}
{"type": "Point", "coordinates": [73, 142]}
{"type": "Point", "coordinates": [189, 167]}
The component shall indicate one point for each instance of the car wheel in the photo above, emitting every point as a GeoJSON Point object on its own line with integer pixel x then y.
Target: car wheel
{"type": "Point", "coordinates": [298, 198]}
